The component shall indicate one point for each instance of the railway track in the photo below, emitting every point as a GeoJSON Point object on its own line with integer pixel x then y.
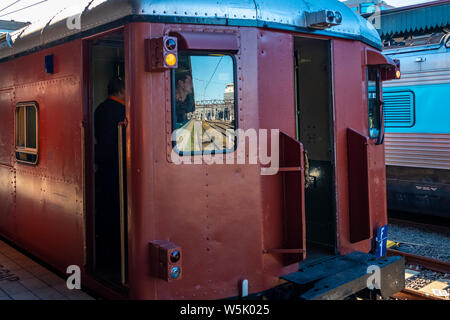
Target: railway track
{"type": "Point", "coordinates": [421, 225]}
{"type": "Point", "coordinates": [409, 294]}
{"type": "Point", "coordinates": [428, 263]}
{"type": "Point", "coordinates": [432, 264]}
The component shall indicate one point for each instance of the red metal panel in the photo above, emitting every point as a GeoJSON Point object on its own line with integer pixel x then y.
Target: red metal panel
{"type": "Point", "coordinates": [388, 66]}
{"type": "Point", "coordinates": [276, 110]}
{"type": "Point", "coordinates": [348, 112]}
{"type": "Point", "coordinates": [189, 40]}
{"type": "Point", "coordinates": [358, 184]}
{"type": "Point", "coordinates": [374, 57]}
{"type": "Point", "coordinates": [7, 200]}
{"type": "Point", "coordinates": [6, 125]}
{"type": "Point", "coordinates": [350, 108]}
{"type": "Point", "coordinates": [292, 171]}
{"type": "Point", "coordinates": [208, 210]}
{"type": "Point", "coordinates": [48, 207]}
{"type": "Point", "coordinates": [142, 219]}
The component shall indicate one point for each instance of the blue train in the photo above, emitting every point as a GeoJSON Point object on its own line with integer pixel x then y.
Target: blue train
{"type": "Point", "coordinates": [417, 124]}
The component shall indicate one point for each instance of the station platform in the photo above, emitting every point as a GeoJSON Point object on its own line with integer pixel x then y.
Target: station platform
{"type": "Point", "coordinates": [22, 278]}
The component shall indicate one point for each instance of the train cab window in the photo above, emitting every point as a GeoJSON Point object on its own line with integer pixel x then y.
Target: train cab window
{"type": "Point", "coordinates": [374, 101]}
{"type": "Point", "coordinates": [26, 146]}
{"type": "Point", "coordinates": [203, 104]}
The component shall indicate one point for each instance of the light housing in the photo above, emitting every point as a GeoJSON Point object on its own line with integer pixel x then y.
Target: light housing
{"type": "Point", "coordinates": [323, 19]}
{"type": "Point", "coordinates": [162, 53]}
{"type": "Point", "coordinates": [165, 260]}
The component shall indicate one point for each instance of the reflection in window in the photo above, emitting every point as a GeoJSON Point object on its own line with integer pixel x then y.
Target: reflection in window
{"type": "Point", "coordinates": [204, 104]}
{"type": "Point", "coordinates": [26, 132]}
{"type": "Point", "coordinates": [373, 98]}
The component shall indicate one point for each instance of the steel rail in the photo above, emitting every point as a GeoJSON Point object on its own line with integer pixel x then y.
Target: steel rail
{"type": "Point", "coordinates": [409, 294]}
{"type": "Point", "coordinates": [432, 264]}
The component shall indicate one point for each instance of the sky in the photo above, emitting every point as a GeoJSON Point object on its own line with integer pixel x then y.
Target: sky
{"type": "Point", "coordinates": [46, 7]}
{"type": "Point", "coordinates": [41, 9]}
{"type": "Point", "coordinates": [402, 3]}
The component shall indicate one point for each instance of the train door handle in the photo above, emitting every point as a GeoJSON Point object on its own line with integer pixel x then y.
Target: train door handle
{"type": "Point", "coordinates": [381, 133]}
{"type": "Point", "coordinates": [120, 128]}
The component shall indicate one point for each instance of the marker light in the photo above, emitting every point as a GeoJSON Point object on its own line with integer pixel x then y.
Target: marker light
{"type": "Point", "coordinates": [338, 17]}
{"type": "Point", "coordinates": [330, 16]}
{"type": "Point", "coordinates": [175, 256]}
{"type": "Point", "coordinates": [175, 272]}
{"type": "Point", "coordinates": [398, 74]}
{"type": "Point", "coordinates": [171, 44]}
{"type": "Point", "coordinates": [171, 59]}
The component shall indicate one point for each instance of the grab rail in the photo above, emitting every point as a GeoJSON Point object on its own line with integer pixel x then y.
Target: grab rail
{"type": "Point", "coordinates": [120, 127]}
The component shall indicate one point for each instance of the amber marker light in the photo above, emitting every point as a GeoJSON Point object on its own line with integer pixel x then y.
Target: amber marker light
{"type": "Point", "coordinates": [171, 59]}
{"type": "Point", "coordinates": [398, 74]}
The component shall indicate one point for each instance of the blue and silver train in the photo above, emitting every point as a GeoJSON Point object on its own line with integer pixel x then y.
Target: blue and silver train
{"type": "Point", "coordinates": [417, 124]}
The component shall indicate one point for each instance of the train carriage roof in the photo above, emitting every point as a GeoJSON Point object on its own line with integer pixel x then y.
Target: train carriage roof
{"type": "Point", "coordinates": [90, 16]}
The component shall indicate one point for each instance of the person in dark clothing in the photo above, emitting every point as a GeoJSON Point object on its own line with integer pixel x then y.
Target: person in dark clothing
{"type": "Point", "coordinates": [107, 117]}
{"type": "Point", "coordinates": [184, 96]}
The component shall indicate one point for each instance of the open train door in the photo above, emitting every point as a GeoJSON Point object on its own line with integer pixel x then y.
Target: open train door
{"type": "Point", "coordinates": [292, 170]}
{"type": "Point", "coordinates": [314, 111]}
{"type": "Point", "coordinates": [105, 169]}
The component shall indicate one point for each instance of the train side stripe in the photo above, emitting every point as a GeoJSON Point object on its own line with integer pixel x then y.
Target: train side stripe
{"type": "Point", "coordinates": [420, 150]}
{"type": "Point", "coordinates": [439, 76]}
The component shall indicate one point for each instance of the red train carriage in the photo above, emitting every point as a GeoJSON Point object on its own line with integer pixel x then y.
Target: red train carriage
{"type": "Point", "coordinates": [196, 74]}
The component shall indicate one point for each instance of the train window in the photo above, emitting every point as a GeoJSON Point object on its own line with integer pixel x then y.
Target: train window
{"type": "Point", "coordinates": [26, 147]}
{"type": "Point", "coordinates": [374, 101]}
{"type": "Point", "coordinates": [203, 104]}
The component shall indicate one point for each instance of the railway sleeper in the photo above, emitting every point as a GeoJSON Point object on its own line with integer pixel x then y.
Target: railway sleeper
{"type": "Point", "coordinates": [339, 277]}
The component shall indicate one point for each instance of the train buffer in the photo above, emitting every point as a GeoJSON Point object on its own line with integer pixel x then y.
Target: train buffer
{"type": "Point", "coordinates": [337, 277]}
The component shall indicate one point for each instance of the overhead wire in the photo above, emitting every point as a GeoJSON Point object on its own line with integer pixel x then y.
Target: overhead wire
{"type": "Point", "coordinates": [215, 70]}
{"type": "Point", "coordinates": [29, 6]}
{"type": "Point", "coordinates": [10, 5]}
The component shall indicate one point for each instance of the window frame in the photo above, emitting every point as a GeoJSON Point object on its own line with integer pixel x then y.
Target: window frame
{"type": "Point", "coordinates": [26, 150]}
{"type": "Point", "coordinates": [173, 102]}
{"type": "Point", "coordinates": [378, 101]}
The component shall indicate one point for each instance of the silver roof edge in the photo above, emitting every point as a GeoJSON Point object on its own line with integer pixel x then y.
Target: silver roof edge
{"type": "Point", "coordinates": [87, 15]}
